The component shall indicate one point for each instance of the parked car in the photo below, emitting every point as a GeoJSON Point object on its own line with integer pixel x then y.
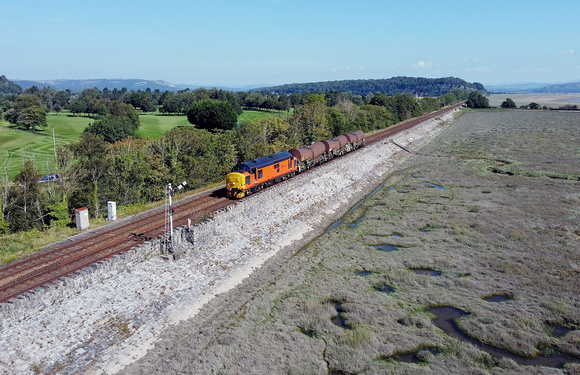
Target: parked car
{"type": "Point", "coordinates": [49, 178]}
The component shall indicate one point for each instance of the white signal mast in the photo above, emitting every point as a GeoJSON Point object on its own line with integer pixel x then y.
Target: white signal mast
{"type": "Point", "coordinates": [169, 214]}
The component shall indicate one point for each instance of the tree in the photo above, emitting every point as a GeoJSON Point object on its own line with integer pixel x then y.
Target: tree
{"type": "Point", "coordinates": [429, 104]}
{"type": "Point", "coordinates": [62, 98]}
{"type": "Point", "coordinates": [403, 106]}
{"type": "Point", "coordinates": [534, 105]}
{"type": "Point", "coordinates": [23, 209]}
{"type": "Point", "coordinates": [476, 100]}
{"type": "Point", "coordinates": [27, 113]}
{"type": "Point", "coordinates": [127, 171]}
{"type": "Point", "coordinates": [170, 103]}
{"type": "Point", "coordinates": [147, 105]}
{"type": "Point", "coordinates": [3, 223]}
{"type": "Point", "coordinates": [119, 122]}
{"type": "Point", "coordinates": [212, 115]}
{"type": "Point", "coordinates": [112, 128]}
{"type": "Point", "coordinates": [508, 103]}
{"type": "Point", "coordinates": [93, 164]}
{"type": "Point", "coordinates": [310, 121]}
{"type": "Point", "coordinates": [254, 100]}
{"type": "Point", "coordinates": [32, 117]}
{"type": "Point", "coordinates": [379, 99]}
{"type": "Point", "coordinates": [58, 211]}
{"type": "Point", "coordinates": [378, 117]}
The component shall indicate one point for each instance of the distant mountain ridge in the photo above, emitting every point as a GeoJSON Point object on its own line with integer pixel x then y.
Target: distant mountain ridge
{"type": "Point", "coordinates": [9, 87]}
{"type": "Point", "coordinates": [562, 88]}
{"type": "Point", "coordinates": [78, 85]}
{"type": "Point", "coordinates": [536, 88]}
{"type": "Point", "coordinates": [417, 86]}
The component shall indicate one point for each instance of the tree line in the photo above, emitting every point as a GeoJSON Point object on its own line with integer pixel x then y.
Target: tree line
{"type": "Point", "coordinates": [417, 86]}
{"type": "Point", "coordinates": [27, 108]}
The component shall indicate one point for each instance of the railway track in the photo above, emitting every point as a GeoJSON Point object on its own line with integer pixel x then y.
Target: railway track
{"type": "Point", "coordinates": [41, 268]}
{"type": "Point", "coordinates": [64, 258]}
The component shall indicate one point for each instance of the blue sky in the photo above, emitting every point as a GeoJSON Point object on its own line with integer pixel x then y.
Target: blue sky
{"type": "Point", "coordinates": [236, 43]}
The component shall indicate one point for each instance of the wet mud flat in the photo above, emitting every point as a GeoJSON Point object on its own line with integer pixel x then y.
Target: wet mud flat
{"type": "Point", "coordinates": [492, 204]}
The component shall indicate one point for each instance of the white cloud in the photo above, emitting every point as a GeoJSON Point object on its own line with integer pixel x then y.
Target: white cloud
{"type": "Point", "coordinates": [568, 52]}
{"type": "Point", "coordinates": [423, 64]}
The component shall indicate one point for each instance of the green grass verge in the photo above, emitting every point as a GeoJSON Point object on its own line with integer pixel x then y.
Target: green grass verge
{"type": "Point", "coordinates": [249, 116]}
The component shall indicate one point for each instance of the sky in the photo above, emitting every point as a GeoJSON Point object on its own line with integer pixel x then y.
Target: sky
{"type": "Point", "coordinates": [239, 43]}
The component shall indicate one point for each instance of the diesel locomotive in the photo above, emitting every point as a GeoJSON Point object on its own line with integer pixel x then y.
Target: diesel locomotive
{"type": "Point", "coordinates": [254, 175]}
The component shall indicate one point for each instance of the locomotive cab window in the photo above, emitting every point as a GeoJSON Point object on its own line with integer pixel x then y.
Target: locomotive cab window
{"type": "Point", "coordinates": [247, 180]}
{"type": "Point", "coordinates": [260, 174]}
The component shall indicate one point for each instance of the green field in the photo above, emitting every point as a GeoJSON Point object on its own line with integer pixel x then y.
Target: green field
{"type": "Point", "coordinates": [16, 145]}
{"type": "Point", "coordinates": [249, 116]}
{"type": "Point", "coordinates": [19, 145]}
{"type": "Point", "coordinates": [154, 126]}
{"type": "Point", "coordinates": [549, 100]}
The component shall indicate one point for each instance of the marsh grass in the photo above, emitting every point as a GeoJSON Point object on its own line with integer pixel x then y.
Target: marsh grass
{"type": "Point", "coordinates": [500, 234]}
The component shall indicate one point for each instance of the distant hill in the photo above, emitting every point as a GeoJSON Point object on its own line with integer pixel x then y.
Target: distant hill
{"type": "Point", "coordinates": [514, 88]}
{"type": "Point", "coordinates": [563, 88]}
{"type": "Point", "coordinates": [78, 85]}
{"type": "Point", "coordinates": [536, 88]}
{"type": "Point", "coordinates": [417, 86]}
{"type": "Point", "coordinates": [9, 87]}
{"type": "Point", "coordinates": [391, 86]}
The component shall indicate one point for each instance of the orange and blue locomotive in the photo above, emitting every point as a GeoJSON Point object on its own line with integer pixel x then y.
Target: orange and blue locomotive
{"type": "Point", "coordinates": [251, 176]}
{"type": "Point", "coordinates": [254, 175]}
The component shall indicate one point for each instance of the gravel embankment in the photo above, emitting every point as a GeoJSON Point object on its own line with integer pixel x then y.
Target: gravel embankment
{"type": "Point", "coordinates": [113, 321]}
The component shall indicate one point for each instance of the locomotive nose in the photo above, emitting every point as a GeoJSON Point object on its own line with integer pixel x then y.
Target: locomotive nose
{"type": "Point", "coordinates": [235, 180]}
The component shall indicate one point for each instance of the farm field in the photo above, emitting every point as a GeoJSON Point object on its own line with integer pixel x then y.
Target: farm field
{"type": "Point", "coordinates": [549, 100]}
{"type": "Point", "coordinates": [249, 116]}
{"type": "Point", "coordinates": [18, 145]}
{"type": "Point", "coordinates": [483, 222]}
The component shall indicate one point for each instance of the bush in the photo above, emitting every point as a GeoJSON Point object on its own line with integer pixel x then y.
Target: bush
{"type": "Point", "coordinates": [508, 103]}
{"type": "Point", "coordinates": [113, 128]}
{"type": "Point", "coordinates": [212, 115]}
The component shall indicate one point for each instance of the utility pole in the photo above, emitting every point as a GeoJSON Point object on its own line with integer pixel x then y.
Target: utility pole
{"type": "Point", "coordinates": [170, 216]}
{"type": "Point", "coordinates": [54, 148]}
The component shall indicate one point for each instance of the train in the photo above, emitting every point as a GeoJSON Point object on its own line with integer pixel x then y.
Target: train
{"type": "Point", "coordinates": [251, 176]}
